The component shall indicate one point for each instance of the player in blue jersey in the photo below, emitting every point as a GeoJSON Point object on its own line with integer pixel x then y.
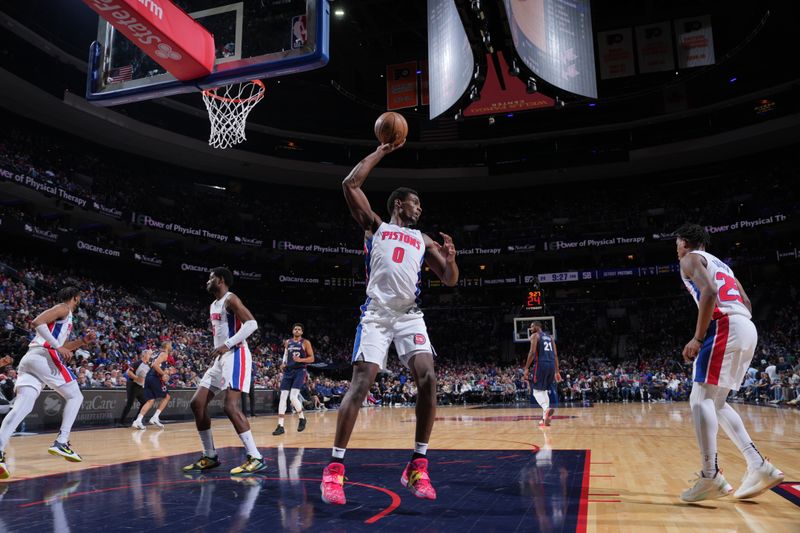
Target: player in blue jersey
{"type": "Point", "coordinates": [297, 354]}
{"type": "Point", "coordinates": [543, 355]}
{"type": "Point", "coordinates": [155, 389]}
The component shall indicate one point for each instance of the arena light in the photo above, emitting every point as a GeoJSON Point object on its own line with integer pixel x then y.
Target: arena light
{"type": "Point", "coordinates": [339, 12]}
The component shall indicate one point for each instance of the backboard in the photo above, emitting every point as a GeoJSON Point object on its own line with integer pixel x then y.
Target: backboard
{"type": "Point", "coordinates": [254, 39]}
{"type": "Point", "coordinates": [521, 325]}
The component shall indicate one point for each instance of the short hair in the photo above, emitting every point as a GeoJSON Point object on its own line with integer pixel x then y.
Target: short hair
{"type": "Point", "coordinates": [536, 323]}
{"type": "Point", "coordinates": [298, 324]}
{"type": "Point", "coordinates": [67, 293]}
{"type": "Point", "coordinates": [695, 235]}
{"type": "Point", "coordinates": [225, 274]}
{"type": "Point", "coordinates": [401, 193]}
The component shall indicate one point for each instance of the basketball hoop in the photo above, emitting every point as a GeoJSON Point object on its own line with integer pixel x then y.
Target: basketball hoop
{"type": "Point", "coordinates": [228, 108]}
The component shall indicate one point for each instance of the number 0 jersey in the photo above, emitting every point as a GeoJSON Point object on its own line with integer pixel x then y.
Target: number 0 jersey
{"type": "Point", "coordinates": [728, 300]}
{"type": "Point", "coordinates": [394, 258]}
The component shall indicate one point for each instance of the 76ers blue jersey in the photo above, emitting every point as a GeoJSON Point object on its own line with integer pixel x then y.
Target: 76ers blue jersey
{"type": "Point", "coordinates": [545, 352]}
{"type": "Point", "coordinates": [293, 348]}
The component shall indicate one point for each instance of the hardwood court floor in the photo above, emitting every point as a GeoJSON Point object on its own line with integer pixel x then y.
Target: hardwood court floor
{"type": "Point", "coordinates": [641, 456]}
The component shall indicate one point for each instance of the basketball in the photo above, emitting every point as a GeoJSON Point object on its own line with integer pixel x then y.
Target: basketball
{"type": "Point", "coordinates": [391, 127]}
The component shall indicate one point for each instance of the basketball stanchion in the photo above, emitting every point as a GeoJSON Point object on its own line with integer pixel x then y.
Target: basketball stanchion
{"type": "Point", "coordinates": [228, 107]}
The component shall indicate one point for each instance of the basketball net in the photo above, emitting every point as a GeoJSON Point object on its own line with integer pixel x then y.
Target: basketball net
{"type": "Point", "coordinates": [228, 108]}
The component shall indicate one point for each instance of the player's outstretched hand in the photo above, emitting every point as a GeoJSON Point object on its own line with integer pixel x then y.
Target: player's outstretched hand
{"type": "Point", "coordinates": [448, 249]}
{"type": "Point", "coordinates": [691, 350]}
{"type": "Point", "coordinates": [388, 148]}
{"type": "Point", "coordinates": [89, 337]}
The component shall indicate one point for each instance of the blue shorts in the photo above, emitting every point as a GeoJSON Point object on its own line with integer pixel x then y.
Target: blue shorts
{"type": "Point", "coordinates": [544, 375]}
{"type": "Point", "coordinates": [154, 388]}
{"type": "Point", "coordinates": [293, 378]}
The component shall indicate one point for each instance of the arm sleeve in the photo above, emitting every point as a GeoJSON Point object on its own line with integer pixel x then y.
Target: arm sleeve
{"type": "Point", "coordinates": [245, 331]}
{"type": "Point", "coordinates": [44, 332]}
{"type": "Point", "coordinates": [285, 355]}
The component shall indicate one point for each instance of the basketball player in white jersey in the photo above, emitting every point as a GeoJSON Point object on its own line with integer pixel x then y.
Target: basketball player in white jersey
{"type": "Point", "coordinates": [44, 365]}
{"type": "Point", "coordinates": [722, 348]}
{"type": "Point", "coordinates": [394, 256]}
{"type": "Point", "coordinates": [230, 372]}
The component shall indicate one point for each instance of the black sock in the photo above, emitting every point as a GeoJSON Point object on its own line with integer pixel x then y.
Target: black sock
{"type": "Point", "coordinates": [417, 456]}
{"type": "Point", "coordinates": [339, 460]}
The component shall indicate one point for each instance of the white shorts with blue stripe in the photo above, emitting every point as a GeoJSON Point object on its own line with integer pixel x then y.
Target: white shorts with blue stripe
{"type": "Point", "coordinates": [380, 326]}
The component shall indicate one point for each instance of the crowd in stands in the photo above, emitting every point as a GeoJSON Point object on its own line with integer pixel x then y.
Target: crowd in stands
{"type": "Point", "coordinates": [469, 367]}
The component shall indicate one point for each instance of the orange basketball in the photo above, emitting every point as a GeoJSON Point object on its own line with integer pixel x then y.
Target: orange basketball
{"type": "Point", "coordinates": [391, 127]}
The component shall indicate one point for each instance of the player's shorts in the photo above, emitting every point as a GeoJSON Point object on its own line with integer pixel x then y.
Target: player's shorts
{"type": "Point", "coordinates": [380, 326]}
{"type": "Point", "coordinates": [154, 388]}
{"type": "Point", "coordinates": [43, 366]}
{"type": "Point", "coordinates": [230, 370]}
{"type": "Point", "coordinates": [293, 378]}
{"type": "Point", "coordinates": [726, 352]}
{"type": "Point", "coordinates": [543, 376]}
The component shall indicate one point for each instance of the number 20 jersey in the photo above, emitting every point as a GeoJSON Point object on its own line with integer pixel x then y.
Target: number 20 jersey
{"type": "Point", "coordinates": [394, 257]}
{"type": "Point", "coordinates": [728, 300]}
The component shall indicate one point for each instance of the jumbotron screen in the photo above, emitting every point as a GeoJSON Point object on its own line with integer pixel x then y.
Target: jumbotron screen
{"type": "Point", "coordinates": [450, 59]}
{"type": "Point", "coordinates": [554, 40]}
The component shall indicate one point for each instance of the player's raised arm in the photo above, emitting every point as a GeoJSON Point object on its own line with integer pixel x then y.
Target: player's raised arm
{"type": "Point", "coordinates": [442, 259]}
{"type": "Point", "coordinates": [356, 199]}
{"type": "Point", "coordinates": [693, 268]}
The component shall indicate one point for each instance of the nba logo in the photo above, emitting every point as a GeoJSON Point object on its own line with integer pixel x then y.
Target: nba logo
{"type": "Point", "coordinates": [299, 32]}
{"type": "Point", "coordinates": [419, 339]}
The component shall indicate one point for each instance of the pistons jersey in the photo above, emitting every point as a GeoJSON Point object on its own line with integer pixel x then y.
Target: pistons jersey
{"type": "Point", "coordinates": [728, 300]}
{"type": "Point", "coordinates": [60, 329]}
{"type": "Point", "coordinates": [394, 257]}
{"type": "Point", "coordinates": [224, 323]}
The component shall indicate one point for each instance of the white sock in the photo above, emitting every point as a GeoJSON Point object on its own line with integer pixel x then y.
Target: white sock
{"type": "Point", "coordinates": [338, 452]}
{"type": "Point", "coordinates": [734, 428]}
{"type": "Point", "coordinates": [282, 403]}
{"type": "Point", "coordinates": [250, 444]}
{"type": "Point", "coordinates": [543, 399]}
{"type": "Point", "coordinates": [208, 443]}
{"type": "Point", "coordinates": [704, 416]}
{"type": "Point", "coordinates": [158, 412]}
{"type": "Point", "coordinates": [140, 418]}
{"type": "Point", "coordinates": [280, 421]}
{"type": "Point", "coordinates": [74, 397]}
{"type": "Point", "coordinates": [23, 405]}
{"type": "Point", "coordinates": [294, 397]}
{"type": "Point", "coordinates": [301, 415]}
{"type": "Point", "coordinates": [421, 448]}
